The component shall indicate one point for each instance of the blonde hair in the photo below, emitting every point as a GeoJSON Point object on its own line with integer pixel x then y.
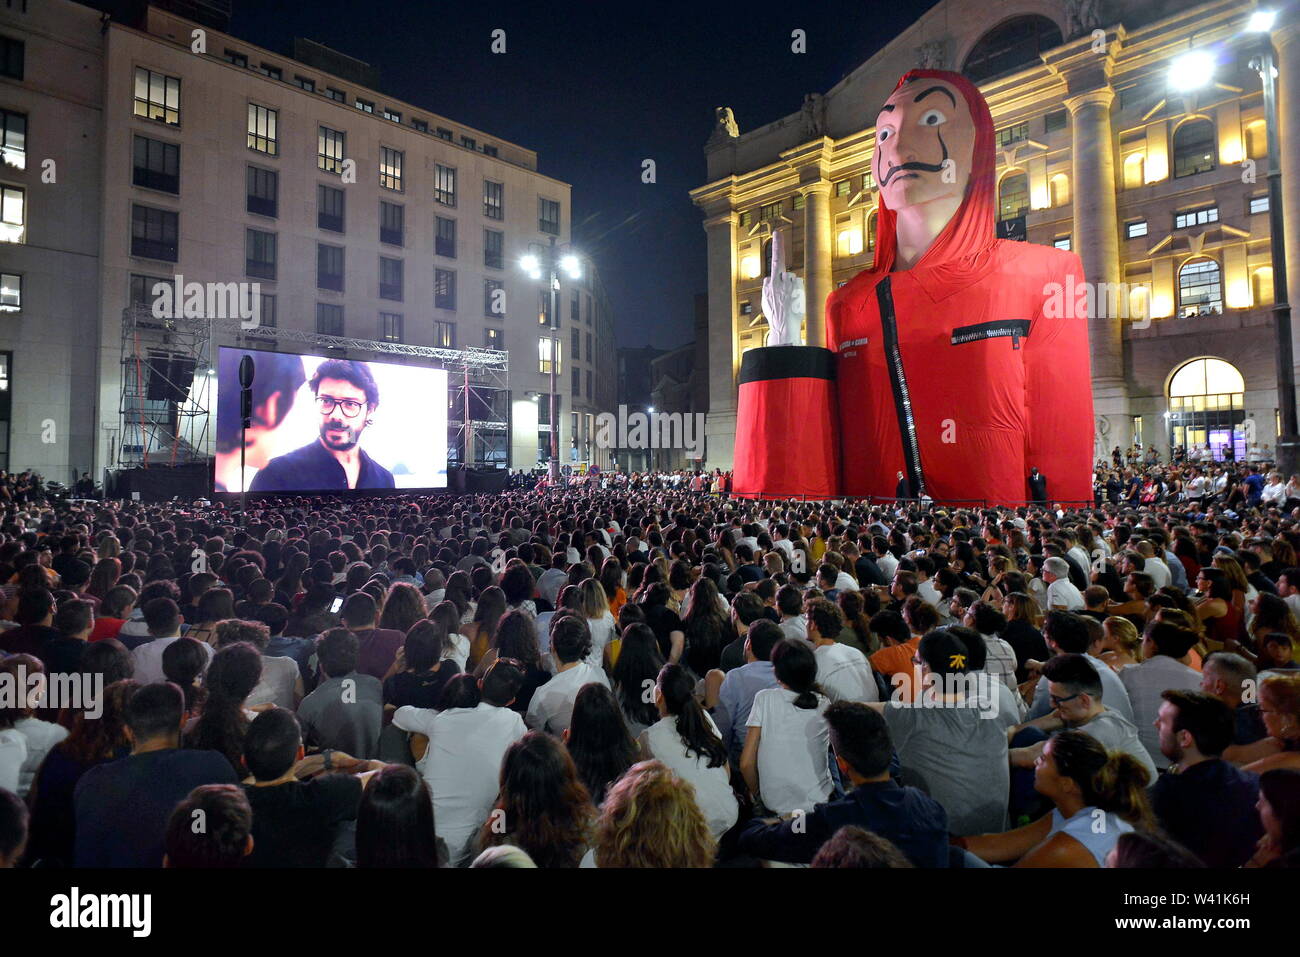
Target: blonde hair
{"type": "Point", "coordinates": [1025, 608]}
{"type": "Point", "coordinates": [1233, 570]}
{"type": "Point", "coordinates": [594, 602]}
{"type": "Point", "coordinates": [1126, 633]}
{"type": "Point", "coordinates": [650, 819]}
{"type": "Point", "coordinates": [1283, 690]}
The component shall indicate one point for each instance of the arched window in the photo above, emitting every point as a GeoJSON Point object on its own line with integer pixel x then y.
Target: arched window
{"type": "Point", "coordinates": [1013, 196]}
{"type": "Point", "coordinates": [1134, 170]}
{"type": "Point", "coordinates": [1200, 288]}
{"type": "Point", "coordinates": [1256, 140]}
{"type": "Point", "coordinates": [1194, 148]}
{"type": "Point", "coordinates": [871, 230]}
{"type": "Point", "coordinates": [1261, 286]}
{"type": "Point", "coordinates": [1060, 187]}
{"type": "Point", "coordinates": [1207, 407]}
{"type": "Point", "coordinates": [1011, 46]}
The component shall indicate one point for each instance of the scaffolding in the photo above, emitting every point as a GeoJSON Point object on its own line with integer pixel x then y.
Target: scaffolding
{"type": "Point", "coordinates": [176, 431]}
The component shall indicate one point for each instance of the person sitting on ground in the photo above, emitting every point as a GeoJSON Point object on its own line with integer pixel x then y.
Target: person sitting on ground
{"type": "Point", "coordinates": [1205, 803]}
{"type": "Point", "coordinates": [301, 808]}
{"type": "Point", "coordinates": [1086, 784]}
{"type": "Point", "coordinates": [551, 709]}
{"type": "Point", "coordinates": [843, 673]}
{"type": "Point", "coordinates": [376, 647]}
{"type": "Point", "coordinates": [345, 712]}
{"type": "Point", "coordinates": [1230, 677]}
{"type": "Point", "coordinates": [784, 760]}
{"type": "Point", "coordinates": [122, 807]}
{"type": "Point", "coordinates": [651, 819]}
{"type": "Point", "coordinates": [1163, 644]}
{"type": "Point", "coordinates": [1069, 634]}
{"type": "Point", "coordinates": [1076, 692]}
{"type": "Point", "coordinates": [226, 838]}
{"type": "Point", "coordinates": [905, 815]}
{"type": "Point", "coordinates": [853, 847]}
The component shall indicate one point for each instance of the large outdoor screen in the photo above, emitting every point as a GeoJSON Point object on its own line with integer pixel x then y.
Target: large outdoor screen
{"type": "Point", "coordinates": [323, 424]}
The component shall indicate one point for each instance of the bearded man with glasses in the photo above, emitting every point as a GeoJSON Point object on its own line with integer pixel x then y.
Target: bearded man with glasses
{"type": "Point", "coordinates": [346, 398]}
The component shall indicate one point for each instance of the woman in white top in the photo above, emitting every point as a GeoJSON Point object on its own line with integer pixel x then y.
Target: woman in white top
{"type": "Point", "coordinates": [455, 646]}
{"type": "Point", "coordinates": [595, 608]}
{"type": "Point", "coordinates": [687, 741]}
{"type": "Point", "coordinates": [786, 757]}
{"type": "Point", "coordinates": [1098, 797]}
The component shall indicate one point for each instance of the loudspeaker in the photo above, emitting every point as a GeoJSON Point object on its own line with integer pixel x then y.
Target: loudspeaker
{"type": "Point", "coordinates": [169, 377]}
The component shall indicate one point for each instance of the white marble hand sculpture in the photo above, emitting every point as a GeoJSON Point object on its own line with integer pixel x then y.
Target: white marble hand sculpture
{"type": "Point", "coordinates": [784, 299]}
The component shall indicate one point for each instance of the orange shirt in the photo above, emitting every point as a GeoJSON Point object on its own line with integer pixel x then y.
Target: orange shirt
{"type": "Point", "coordinates": [896, 659]}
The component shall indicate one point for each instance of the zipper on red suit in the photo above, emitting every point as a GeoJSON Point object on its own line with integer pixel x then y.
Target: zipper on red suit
{"type": "Point", "coordinates": [898, 382]}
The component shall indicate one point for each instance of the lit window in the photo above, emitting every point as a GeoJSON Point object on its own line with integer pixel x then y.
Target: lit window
{"type": "Point", "coordinates": [493, 199]}
{"type": "Point", "coordinates": [365, 106]}
{"type": "Point", "coordinates": [1010, 135]}
{"type": "Point", "coordinates": [1062, 242]}
{"type": "Point", "coordinates": [1196, 217]}
{"type": "Point", "coordinates": [444, 334]}
{"type": "Point", "coordinates": [1194, 148]}
{"type": "Point", "coordinates": [392, 115]}
{"type": "Point", "coordinates": [11, 292]}
{"type": "Point", "coordinates": [13, 139]}
{"type": "Point", "coordinates": [157, 96]}
{"type": "Point", "coordinates": [1013, 196]}
{"type": "Point", "coordinates": [1134, 230]}
{"type": "Point", "coordinates": [1258, 204]}
{"type": "Point", "coordinates": [1200, 289]}
{"type": "Point", "coordinates": [262, 124]}
{"type": "Point", "coordinates": [390, 168]}
{"type": "Point", "coordinates": [444, 185]}
{"type": "Point", "coordinates": [390, 326]}
{"type": "Point", "coordinates": [329, 149]}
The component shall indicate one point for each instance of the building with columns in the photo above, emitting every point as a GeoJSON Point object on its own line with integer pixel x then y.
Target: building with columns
{"type": "Point", "coordinates": [1164, 196]}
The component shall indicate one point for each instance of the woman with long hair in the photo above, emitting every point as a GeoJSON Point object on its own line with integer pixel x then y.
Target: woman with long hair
{"type": "Point", "coordinates": [455, 646]}
{"type": "Point", "coordinates": [854, 608]}
{"type": "Point", "coordinates": [1279, 812]}
{"type": "Point", "coordinates": [594, 607]}
{"type": "Point", "coordinates": [214, 606]}
{"type": "Point", "coordinates": [542, 807]}
{"type": "Point", "coordinates": [395, 825]}
{"type": "Point", "coordinates": [183, 664]}
{"type": "Point", "coordinates": [90, 741]}
{"type": "Point", "coordinates": [1279, 706]}
{"type": "Point", "coordinates": [232, 675]}
{"type": "Point", "coordinates": [1272, 614]}
{"type": "Point", "coordinates": [480, 631]}
{"type": "Point", "coordinates": [651, 819]}
{"type": "Point", "coordinates": [638, 666]}
{"type": "Point", "coordinates": [103, 577]}
{"type": "Point", "coordinates": [419, 671]}
{"type": "Point", "coordinates": [687, 741]}
{"type": "Point", "coordinates": [403, 607]}
{"type": "Point", "coordinates": [1217, 609]}
{"type": "Point", "coordinates": [459, 592]}
{"type": "Point", "coordinates": [665, 623]}
{"type": "Point", "coordinates": [785, 759]}
{"type": "Point", "coordinates": [1024, 630]}
{"type": "Point", "coordinates": [708, 628]}
{"type": "Point", "coordinates": [516, 638]}
{"type": "Point", "coordinates": [611, 579]}
{"type": "Point", "coordinates": [598, 740]}
{"type": "Point", "coordinates": [1096, 795]}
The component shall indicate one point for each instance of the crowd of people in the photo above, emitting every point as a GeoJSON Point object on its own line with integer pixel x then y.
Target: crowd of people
{"type": "Point", "coordinates": [629, 676]}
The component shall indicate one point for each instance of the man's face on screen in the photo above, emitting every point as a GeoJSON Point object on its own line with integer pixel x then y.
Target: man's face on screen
{"type": "Point", "coordinates": [343, 413]}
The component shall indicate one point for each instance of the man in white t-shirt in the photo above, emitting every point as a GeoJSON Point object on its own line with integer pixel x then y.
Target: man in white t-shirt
{"type": "Point", "coordinates": [1061, 593]}
{"type": "Point", "coordinates": [1288, 586]}
{"type": "Point", "coordinates": [462, 763]}
{"type": "Point", "coordinates": [552, 706]}
{"type": "Point", "coordinates": [843, 672]}
{"type": "Point", "coordinates": [163, 617]}
{"type": "Point", "coordinates": [1154, 566]}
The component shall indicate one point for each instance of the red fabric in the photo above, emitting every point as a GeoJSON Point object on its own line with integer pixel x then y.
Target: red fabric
{"type": "Point", "coordinates": [785, 439]}
{"type": "Point", "coordinates": [986, 411]}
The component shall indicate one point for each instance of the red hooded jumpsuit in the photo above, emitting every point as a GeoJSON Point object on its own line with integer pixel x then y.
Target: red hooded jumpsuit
{"type": "Point", "coordinates": [949, 372]}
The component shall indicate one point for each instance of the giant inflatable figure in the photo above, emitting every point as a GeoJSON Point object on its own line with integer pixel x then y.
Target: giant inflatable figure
{"type": "Point", "coordinates": [951, 367]}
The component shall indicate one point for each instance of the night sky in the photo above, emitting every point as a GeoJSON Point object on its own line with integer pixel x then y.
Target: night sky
{"type": "Point", "coordinates": [595, 89]}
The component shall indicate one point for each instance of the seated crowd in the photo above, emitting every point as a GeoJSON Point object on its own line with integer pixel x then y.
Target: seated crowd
{"type": "Point", "coordinates": [596, 677]}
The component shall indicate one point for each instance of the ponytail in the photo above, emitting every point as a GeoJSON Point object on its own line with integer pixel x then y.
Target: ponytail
{"type": "Point", "coordinates": [692, 724]}
{"type": "Point", "coordinates": [1121, 788]}
{"type": "Point", "coordinates": [1113, 781]}
{"type": "Point", "coordinates": [796, 668]}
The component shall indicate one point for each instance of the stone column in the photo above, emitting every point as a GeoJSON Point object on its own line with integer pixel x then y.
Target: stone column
{"type": "Point", "coordinates": [817, 258]}
{"type": "Point", "coordinates": [1286, 41]}
{"type": "Point", "coordinates": [1096, 237]}
{"type": "Point", "coordinates": [720, 424]}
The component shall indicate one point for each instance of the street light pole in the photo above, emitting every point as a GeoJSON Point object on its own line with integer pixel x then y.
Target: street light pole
{"type": "Point", "coordinates": [1288, 443]}
{"type": "Point", "coordinates": [555, 359]}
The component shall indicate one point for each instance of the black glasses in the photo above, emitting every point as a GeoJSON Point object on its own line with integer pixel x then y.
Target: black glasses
{"type": "Point", "coordinates": [1057, 702]}
{"type": "Point", "coordinates": [327, 404]}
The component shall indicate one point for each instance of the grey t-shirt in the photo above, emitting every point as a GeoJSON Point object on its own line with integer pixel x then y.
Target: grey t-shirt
{"type": "Point", "coordinates": [961, 758]}
{"type": "Point", "coordinates": [1116, 733]}
{"type": "Point", "coordinates": [345, 714]}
